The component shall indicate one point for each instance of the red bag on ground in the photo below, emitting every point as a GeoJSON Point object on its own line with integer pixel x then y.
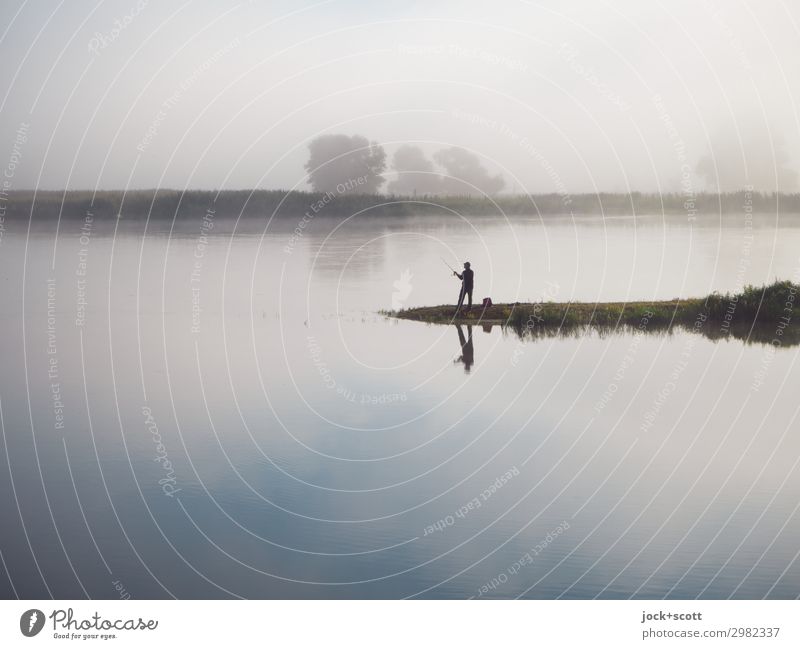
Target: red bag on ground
{"type": "Point", "coordinates": [487, 301]}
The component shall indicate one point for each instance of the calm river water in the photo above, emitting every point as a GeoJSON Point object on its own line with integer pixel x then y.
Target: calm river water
{"type": "Point", "coordinates": [221, 411]}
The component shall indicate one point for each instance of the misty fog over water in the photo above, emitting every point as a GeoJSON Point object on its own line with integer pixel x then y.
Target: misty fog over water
{"type": "Point", "coordinates": [572, 98]}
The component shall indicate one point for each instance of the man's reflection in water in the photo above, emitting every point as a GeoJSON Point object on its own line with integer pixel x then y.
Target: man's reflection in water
{"type": "Point", "coordinates": [467, 352]}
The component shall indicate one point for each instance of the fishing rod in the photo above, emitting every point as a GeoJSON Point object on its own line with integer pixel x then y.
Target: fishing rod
{"type": "Point", "coordinates": [448, 265]}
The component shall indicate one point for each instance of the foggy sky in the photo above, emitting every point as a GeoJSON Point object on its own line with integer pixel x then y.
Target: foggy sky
{"type": "Point", "coordinates": [554, 96]}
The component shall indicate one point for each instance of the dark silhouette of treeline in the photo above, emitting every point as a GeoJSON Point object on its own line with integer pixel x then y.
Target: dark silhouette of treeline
{"type": "Point", "coordinates": [169, 204]}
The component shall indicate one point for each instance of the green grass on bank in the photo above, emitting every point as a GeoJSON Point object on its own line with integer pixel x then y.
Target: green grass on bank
{"type": "Point", "coordinates": [766, 313]}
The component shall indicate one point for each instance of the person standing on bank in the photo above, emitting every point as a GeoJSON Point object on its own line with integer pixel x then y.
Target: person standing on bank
{"type": "Point", "coordinates": [466, 287]}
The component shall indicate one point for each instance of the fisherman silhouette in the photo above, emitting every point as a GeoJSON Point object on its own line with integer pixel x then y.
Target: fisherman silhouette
{"type": "Point", "coordinates": [466, 287]}
{"type": "Point", "coordinates": [467, 352]}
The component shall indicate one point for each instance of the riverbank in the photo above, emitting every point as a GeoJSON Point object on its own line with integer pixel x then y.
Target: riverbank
{"type": "Point", "coordinates": [763, 313]}
{"type": "Point", "coordinates": [169, 204]}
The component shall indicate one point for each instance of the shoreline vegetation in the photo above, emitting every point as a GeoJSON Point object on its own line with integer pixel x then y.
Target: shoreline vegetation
{"type": "Point", "coordinates": [137, 205]}
{"type": "Point", "coordinates": [763, 314]}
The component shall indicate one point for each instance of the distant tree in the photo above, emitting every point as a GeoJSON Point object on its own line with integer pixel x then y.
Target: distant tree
{"type": "Point", "coordinates": [415, 173]}
{"type": "Point", "coordinates": [345, 164]}
{"type": "Point", "coordinates": [465, 171]}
